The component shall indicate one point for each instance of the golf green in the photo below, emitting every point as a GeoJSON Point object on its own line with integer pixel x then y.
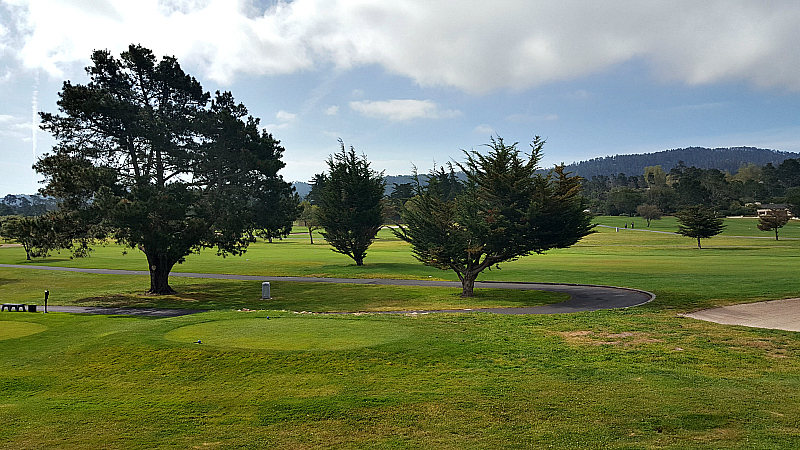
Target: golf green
{"type": "Point", "coordinates": [287, 333]}
{"type": "Point", "coordinates": [14, 329]}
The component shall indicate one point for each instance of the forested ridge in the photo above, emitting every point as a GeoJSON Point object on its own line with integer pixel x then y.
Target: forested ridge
{"type": "Point", "coordinates": [724, 159]}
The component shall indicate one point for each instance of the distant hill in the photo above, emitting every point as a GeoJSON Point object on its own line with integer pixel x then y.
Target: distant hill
{"type": "Point", "coordinates": [26, 205]}
{"type": "Point", "coordinates": [729, 159]}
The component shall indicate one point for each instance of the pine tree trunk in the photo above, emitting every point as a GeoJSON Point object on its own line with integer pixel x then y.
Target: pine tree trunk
{"type": "Point", "coordinates": [160, 267]}
{"type": "Point", "coordinates": [468, 285]}
{"type": "Point", "coordinates": [359, 261]}
{"type": "Point", "coordinates": [698, 243]}
{"type": "Point", "coordinates": [310, 236]}
{"type": "Point", "coordinates": [776, 233]}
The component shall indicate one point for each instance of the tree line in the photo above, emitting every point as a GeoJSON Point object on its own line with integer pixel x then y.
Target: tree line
{"type": "Point", "coordinates": [682, 186]}
{"type": "Point", "coordinates": [725, 159]}
{"type": "Point", "coordinates": [146, 157]}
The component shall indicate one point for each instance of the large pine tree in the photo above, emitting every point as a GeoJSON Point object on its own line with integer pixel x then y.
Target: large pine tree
{"type": "Point", "coordinates": [350, 210]}
{"type": "Point", "coordinates": [143, 152]}
{"type": "Point", "coordinates": [504, 211]}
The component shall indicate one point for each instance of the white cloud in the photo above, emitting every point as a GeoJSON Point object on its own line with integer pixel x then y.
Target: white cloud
{"type": "Point", "coordinates": [271, 128]}
{"type": "Point", "coordinates": [285, 116]}
{"type": "Point", "coordinates": [402, 110]}
{"type": "Point", "coordinates": [484, 129]}
{"type": "Point", "coordinates": [332, 110]}
{"type": "Point", "coordinates": [476, 46]}
{"type": "Point", "coordinates": [17, 127]}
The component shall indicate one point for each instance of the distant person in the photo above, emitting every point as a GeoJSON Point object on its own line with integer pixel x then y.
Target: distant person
{"type": "Point", "coordinates": [626, 225]}
{"type": "Point", "coordinates": [631, 224]}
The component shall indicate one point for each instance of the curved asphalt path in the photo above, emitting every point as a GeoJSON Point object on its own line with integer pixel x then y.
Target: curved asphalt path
{"type": "Point", "coordinates": [582, 297]}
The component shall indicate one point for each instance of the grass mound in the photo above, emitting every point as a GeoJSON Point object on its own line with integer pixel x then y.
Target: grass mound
{"type": "Point", "coordinates": [291, 333]}
{"type": "Point", "coordinates": [13, 329]}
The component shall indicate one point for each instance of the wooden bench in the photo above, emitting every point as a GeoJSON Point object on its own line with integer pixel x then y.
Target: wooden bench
{"type": "Point", "coordinates": [16, 306]}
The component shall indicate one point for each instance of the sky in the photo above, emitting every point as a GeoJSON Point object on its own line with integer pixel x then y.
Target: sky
{"type": "Point", "coordinates": [415, 83]}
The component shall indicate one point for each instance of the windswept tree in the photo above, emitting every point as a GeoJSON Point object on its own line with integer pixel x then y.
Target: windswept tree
{"type": "Point", "coordinates": [309, 218]}
{"type": "Point", "coordinates": [648, 212]}
{"type": "Point", "coordinates": [26, 232]}
{"type": "Point", "coordinates": [699, 222]}
{"type": "Point", "coordinates": [40, 235]}
{"type": "Point", "coordinates": [773, 220]}
{"type": "Point", "coordinates": [350, 203]}
{"type": "Point", "coordinates": [144, 153]}
{"type": "Point", "coordinates": [505, 210]}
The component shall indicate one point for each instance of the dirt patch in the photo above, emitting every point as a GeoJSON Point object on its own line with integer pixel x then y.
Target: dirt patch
{"type": "Point", "coordinates": [624, 339]}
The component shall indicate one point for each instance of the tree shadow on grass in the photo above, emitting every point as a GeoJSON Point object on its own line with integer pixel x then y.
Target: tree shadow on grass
{"type": "Point", "coordinates": [4, 281]}
{"type": "Point", "coordinates": [217, 295]}
{"type": "Point", "coordinates": [320, 297]}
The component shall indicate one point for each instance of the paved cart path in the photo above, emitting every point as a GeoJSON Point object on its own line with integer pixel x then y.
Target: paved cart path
{"type": "Point", "coordinates": [582, 297]}
{"type": "Point", "coordinates": [775, 314]}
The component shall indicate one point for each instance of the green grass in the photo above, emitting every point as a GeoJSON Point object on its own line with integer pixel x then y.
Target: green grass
{"type": "Point", "coordinates": [80, 289]}
{"type": "Point", "coordinates": [290, 333]}
{"type": "Point", "coordinates": [739, 226]}
{"type": "Point", "coordinates": [642, 378]}
{"type": "Point", "coordinates": [728, 269]}
{"type": "Point", "coordinates": [618, 379]}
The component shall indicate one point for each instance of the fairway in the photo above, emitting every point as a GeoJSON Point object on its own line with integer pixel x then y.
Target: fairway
{"type": "Point", "coordinates": [289, 333]}
{"type": "Point", "coordinates": [637, 378]}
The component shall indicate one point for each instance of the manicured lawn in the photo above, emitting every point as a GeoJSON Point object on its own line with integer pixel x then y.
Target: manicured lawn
{"type": "Point", "coordinates": [67, 288]}
{"type": "Point", "coordinates": [745, 226]}
{"type": "Point", "coordinates": [642, 378]}
{"type": "Point", "coordinates": [728, 269]}
{"type": "Point", "coordinates": [619, 379]}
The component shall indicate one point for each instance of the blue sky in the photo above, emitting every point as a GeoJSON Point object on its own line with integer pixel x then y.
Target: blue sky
{"type": "Point", "coordinates": [412, 83]}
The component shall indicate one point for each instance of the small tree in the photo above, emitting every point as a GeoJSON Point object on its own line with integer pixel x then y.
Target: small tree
{"type": "Point", "coordinates": [24, 231]}
{"type": "Point", "coordinates": [40, 235]}
{"type": "Point", "coordinates": [648, 212]}
{"type": "Point", "coordinates": [308, 218]}
{"type": "Point", "coordinates": [773, 220]}
{"type": "Point", "coordinates": [699, 222]}
{"type": "Point", "coordinates": [350, 204]}
{"type": "Point", "coordinates": [506, 210]}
